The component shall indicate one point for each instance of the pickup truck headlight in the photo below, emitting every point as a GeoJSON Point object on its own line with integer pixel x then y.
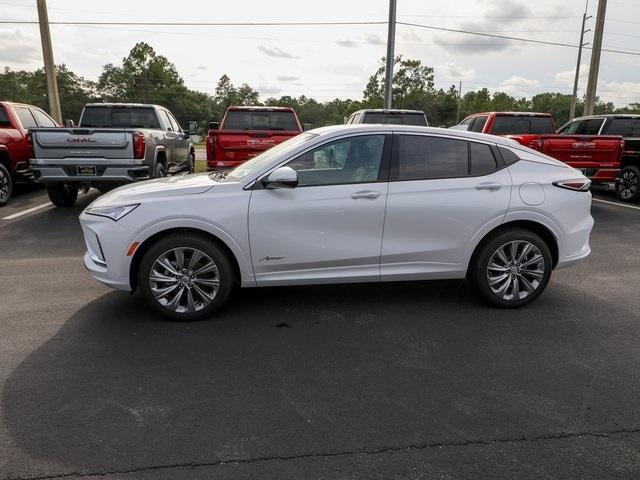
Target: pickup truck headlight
{"type": "Point", "coordinates": [114, 213]}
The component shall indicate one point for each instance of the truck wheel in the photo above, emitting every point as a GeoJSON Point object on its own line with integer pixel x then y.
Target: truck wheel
{"type": "Point", "coordinates": [62, 195]}
{"type": "Point", "coordinates": [160, 171]}
{"type": "Point", "coordinates": [6, 185]}
{"type": "Point", "coordinates": [185, 277]}
{"type": "Point", "coordinates": [511, 268]}
{"type": "Point", "coordinates": [628, 184]}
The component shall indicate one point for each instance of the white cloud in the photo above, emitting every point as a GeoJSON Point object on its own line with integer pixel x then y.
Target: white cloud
{"type": "Point", "coordinates": [374, 39]}
{"type": "Point", "coordinates": [347, 43]}
{"type": "Point", "coordinates": [518, 86]}
{"type": "Point", "coordinates": [275, 52]}
{"type": "Point", "coordinates": [18, 49]}
{"type": "Point", "coordinates": [452, 71]}
{"type": "Point", "coordinates": [286, 78]}
{"type": "Point", "coordinates": [268, 90]}
{"type": "Point", "coordinates": [620, 93]}
{"type": "Point", "coordinates": [567, 77]}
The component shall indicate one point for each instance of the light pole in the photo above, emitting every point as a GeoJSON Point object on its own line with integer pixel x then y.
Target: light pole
{"type": "Point", "coordinates": [592, 83]}
{"type": "Point", "coordinates": [391, 39]}
{"type": "Point", "coordinates": [49, 66]}
{"type": "Point", "coordinates": [574, 98]}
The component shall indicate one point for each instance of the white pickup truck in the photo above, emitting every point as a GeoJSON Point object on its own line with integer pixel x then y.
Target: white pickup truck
{"type": "Point", "coordinates": [113, 144]}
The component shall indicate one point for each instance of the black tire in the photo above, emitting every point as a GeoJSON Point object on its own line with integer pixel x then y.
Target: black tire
{"type": "Point", "coordinates": [62, 195]}
{"type": "Point", "coordinates": [628, 184]}
{"type": "Point", "coordinates": [160, 171]}
{"type": "Point", "coordinates": [191, 163]}
{"type": "Point", "coordinates": [6, 185]}
{"type": "Point", "coordinates": [165, 246]}
{"type": "Point", "coordinates": [105, 187]}
{"type": "Point", "coordinates": [480, 273]}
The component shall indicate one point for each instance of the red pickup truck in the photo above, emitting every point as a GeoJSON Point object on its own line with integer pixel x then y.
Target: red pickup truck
{"type": "Point", "coordinates": [15, 143]}
{"type": "Point", "coordinates": [246, 132]}
{"type": "Point", "coordinates": [597, 156]}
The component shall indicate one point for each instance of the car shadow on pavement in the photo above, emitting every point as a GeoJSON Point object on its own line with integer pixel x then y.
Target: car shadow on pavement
{"type": "Point", "coordinates": [296, 371]}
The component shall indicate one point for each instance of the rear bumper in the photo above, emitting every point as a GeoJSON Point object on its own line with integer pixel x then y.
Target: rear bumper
{"type": "Point", "coordinates": [105, 172]}
{"type": "Point", "coordinates": [601, 175]}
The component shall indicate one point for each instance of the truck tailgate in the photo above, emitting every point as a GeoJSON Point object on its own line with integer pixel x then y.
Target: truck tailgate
{"type": "Point", "coordinates": [583, 149]}
{"type": "Point", "coordinates": [241, 144]}
{"type": "Point", "coordinates": [73, 143]}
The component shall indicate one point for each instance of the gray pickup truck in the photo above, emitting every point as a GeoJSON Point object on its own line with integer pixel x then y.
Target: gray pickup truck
{"type": "Point", "coordinates": [113, 144]}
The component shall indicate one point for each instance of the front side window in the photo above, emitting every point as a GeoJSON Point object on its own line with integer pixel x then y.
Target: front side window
{"type": "Point", "coordinates": [349, 160]}
{"type": "Point", "coordinates": [42, 118]}
{"type": "Point", "coordinates": [582, 127]}
{"type": "Point", "coordinates": [174, 122]}
{"type": "Point", "coordinates": [4, 118]}
{"type": "Point", "coordinates": [478, 124]}
{"type": "Point", "coordinates": [25, 117]}
{"type": "Point", "coordinates": [467, 121]}
{"type": "Point", "coordinates": [166, 120]}
{"type": "Point", "coordinates": [421, 157]}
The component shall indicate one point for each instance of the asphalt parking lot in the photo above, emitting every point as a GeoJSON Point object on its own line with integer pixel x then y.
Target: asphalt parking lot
{"type": "Point", "coordinates": [405, 380]}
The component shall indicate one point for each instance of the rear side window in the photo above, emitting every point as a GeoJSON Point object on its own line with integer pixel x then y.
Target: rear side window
{"type": "Point", "coordinates": [478, 124]}
{"type": "Point", "coordinates": [120, 117]}
{"type": "Point", "coordinates": [42, 118]}
{"type": "Point", "coordinates": [509, 157]}
{"type": "Point", "coordinates": [4, 118]}
{"type": "Point", "coordinates": [25, 117]}
{"type": "Point", "coordinates": [421, 157]}
{"type": "Point", "coordinates": [627, 127]}
{"type": "Point", "coordinates": [257, 120]}
{"type": "Point", "coordinates": [482, 160]}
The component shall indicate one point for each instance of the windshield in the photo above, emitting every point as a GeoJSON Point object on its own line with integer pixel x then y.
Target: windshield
{"type": "Point", "coordinates": [260, 120]}
{"type": "Point", "coordinates": [258, 162]}
{"type": "Point", "coordinates": [127, 117]}
{"type": "Point", "coordinates": [395, 118]}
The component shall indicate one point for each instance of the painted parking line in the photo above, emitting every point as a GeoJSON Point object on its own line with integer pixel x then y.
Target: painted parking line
{"type": "Point", "coordinates": [616, 204]}
{"type": "Point", "coordinates": [27, 211]}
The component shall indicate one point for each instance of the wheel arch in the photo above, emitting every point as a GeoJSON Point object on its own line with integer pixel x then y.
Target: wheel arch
{"type": "Point", "coordinates": [538, 228]}
{"type": "Point", "coordinates": [151, 240]}
{"type": "Point", "coordinates": [5, 157]}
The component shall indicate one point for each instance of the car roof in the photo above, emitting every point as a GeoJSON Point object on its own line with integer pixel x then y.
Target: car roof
{"type": "Point", "coordinates": [336, 130]}
{"type": "Point", "coordinates": [609, 115]}
{"type": "Point", "coordinates": [18, 104]}
{"type": "Point", "coordinates": [388, 110]}
{"type": "Point", "coordinates": [116, 104]}
{"type": "Point", "coordinates": [519, 114]}
{"type": "Point", "coordinates": [260, 108]}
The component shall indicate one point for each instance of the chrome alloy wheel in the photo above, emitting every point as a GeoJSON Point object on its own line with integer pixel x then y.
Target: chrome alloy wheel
{"type": "Point", "coordinates": [5, 186]}
{"type": "Point", "coordinates": [515, 270]}
{"type": "Point", "coordinates": [628, 184]}
{"type": "Point", "coordinates": [184, 280]}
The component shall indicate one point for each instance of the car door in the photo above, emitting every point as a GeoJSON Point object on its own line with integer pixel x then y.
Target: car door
{"type": "Point", "coordinates": [180, 144]}
{"type": "Point", "coordinates": [442, 192]}
{"type": "Point", "coordinates": [328, 228]}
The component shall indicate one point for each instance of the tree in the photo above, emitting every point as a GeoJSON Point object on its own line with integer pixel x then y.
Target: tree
{"type": "Point", "coordinates": [410, 80]}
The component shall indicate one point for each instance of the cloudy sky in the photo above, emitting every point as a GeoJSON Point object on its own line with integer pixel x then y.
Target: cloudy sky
{"type": "Point", "coordinates": [326, 62]}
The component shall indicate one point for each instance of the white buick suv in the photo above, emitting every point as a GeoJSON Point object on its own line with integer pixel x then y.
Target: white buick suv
{"type": "Point", "coordinates": [349, 203]}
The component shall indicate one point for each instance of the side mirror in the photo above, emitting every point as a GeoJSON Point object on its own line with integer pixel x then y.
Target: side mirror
{"type": "Point", "coordinates": [69, 123]}
{"type": "Point", "coordinates": [283, 177]}
{"type": "Point", "coordinates": [307, 126]}
{"type": "Point", "coordinates": [214, 125]}
{"type": "Point", "coordinates": [192, 127]}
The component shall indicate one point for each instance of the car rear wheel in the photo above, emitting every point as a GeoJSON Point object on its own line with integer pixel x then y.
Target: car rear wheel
{"type": "Point", "coordinates": [6, 185]}
{"type": "Point", "coordinates": [185, 277]}
{"type": "Point", "coordinates": [628, 184]}
{"type": "Point", "coordinates": [62, 195]}
{"type": "Point", "coordinates": [191, 163]}
{"type": "Point", "coordinates": [160, 171]}
{"type": "Point", "coordinates": [512, 268]}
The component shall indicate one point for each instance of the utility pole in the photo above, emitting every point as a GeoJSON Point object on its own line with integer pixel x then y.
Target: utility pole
{"type": "Point", "coordinates": [592, 83]}
{"type": "Point", "coordinates": [574, 98]}
{"type": "Point", "coordinates": [391, 40]}
{"type": "Point", "coordinates": [49, 66]}
{"type": "Point", "coordinates": [459, 103]}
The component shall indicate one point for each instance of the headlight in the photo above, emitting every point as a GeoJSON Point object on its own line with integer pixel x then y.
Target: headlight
{"type": "Point", "coordinates": [114, 213]}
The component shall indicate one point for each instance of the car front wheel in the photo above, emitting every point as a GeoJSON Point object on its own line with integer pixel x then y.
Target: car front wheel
{"type": "Point", "coordinates": [6, 185]}
{"type": "Point", "coordinates": [185, 277]}
{"type": "Point", "coordinates": [511, 268]}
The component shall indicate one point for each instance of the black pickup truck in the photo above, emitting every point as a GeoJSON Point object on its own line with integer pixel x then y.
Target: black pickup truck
{"type": "Point", "coordinates": [113, 144]}
{"type": "Point", "coordinates": [627, 126]}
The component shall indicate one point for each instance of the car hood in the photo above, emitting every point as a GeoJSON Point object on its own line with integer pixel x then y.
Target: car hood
{"type": "Point", "coordinates": [156, 189]}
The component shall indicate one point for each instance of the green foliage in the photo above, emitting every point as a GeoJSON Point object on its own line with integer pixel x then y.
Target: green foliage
{"type": "Point", "coordinates": [146, 77]}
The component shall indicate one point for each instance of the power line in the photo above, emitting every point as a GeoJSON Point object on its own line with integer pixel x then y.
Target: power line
{"type": "Point", "coordinates": [200, 24]}
{"type": "Point", "coordinates": [505, 37]}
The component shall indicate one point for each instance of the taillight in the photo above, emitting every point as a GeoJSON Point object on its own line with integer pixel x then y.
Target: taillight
{"type": "Point", "coordinates": [579, 185]}
{"type": "Point", "coordinates": [30, 144]}
{"type": "Point", "coordinates": [139, 144]}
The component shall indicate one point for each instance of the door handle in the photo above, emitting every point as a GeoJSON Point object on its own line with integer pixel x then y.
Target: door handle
{"type": "Point", "coordinates": [370, 194]}
{"type": "Point", "coordinates": [492, 187]}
